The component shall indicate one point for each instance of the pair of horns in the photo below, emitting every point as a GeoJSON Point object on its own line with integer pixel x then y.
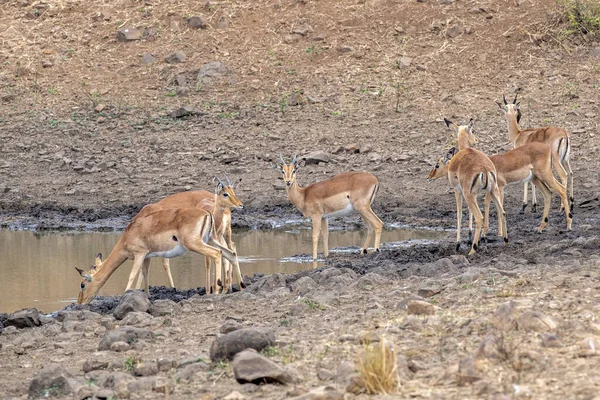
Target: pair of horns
{"type": "Point", "coordinates": [514, 101]}
{"type": "Point", "coordinates": [221, 183]}
{"type": "Point", "coordinates": [283, 161]}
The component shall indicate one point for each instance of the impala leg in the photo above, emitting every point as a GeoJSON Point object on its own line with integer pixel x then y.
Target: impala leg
{"type": "Point", "coordinates": [145, 272]}
{"type": "Point", "coordinates": [374, 225]}
{"type": "Point", "coordinates": [167, 267]}
{"type": "Point", "coordinates": [471, 200]}
{"type": "Point", "coordinates": [547, 199]}
{"type": "Point", "coordinates": [498, 198]}
{"type": "Point", "coordinates": [226, 254]}
{"type": "Point", "coordinates": [486, 215]}
{"type": "Point", "coordinates": [316, 229]}
{"type": "Point", "coordinates": [207, 276]}
{"type": "Point", "coordinates": [198, 246]}
{"type": "Point", "coordinates": [325, 232]}
{"type": "Point", "coordinates": [228, 271]}
{"type": "Point", "coordinates": [238, 271]}
{"type": "Point", "coordinates": [524, 206]}
{"type": "Point", "coordinates": [139, 281]}
{"type": "Point", "coordinates": [501, 199]}
{"type": "Point", "coordinates": [458, 197]}
{"type": "Point", "coordinates": [560, 170]}
{"type": "Point", "coordinates": [562, 192]}
{"type": "Point", "coordinates": [135, 270]}
{"type": "Point", "coordinates": [533, 199]}
{"type": "Point", "coordinates": [571, 193]}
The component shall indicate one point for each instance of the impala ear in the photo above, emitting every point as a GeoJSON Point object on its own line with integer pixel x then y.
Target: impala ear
{"type": "Point", "coordinates": [448, 122]}
{"type": "Point", "coordinates": [237, 184]}
{"type": "Point", "coordinates": [276, 166]}
{"type": "Point", "coordinates": [301, 164]}
{"type": "Point", "coordinates": [518, 105]}
{"type": "Point", "coordinates": [501, 106]}
{"type": "Point", "coordinates": [470, 125]}
{"type": "Point", "coordinates": [85, 276]}
{"type": "Point", "coordinates": [98, 260]}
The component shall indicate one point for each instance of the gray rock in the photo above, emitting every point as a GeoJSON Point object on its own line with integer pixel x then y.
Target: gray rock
{"type": "Point", "coordinates": [148, 58]}
{"type": "Point", "coordinates": [227, 346]}
{"type": "Point", "coordinates": [146, 368]}
{"type": "Point", "coordinates": [316, 157]}
{"type": "Point", "coordinates": [325, 375]}
{"type": "Point", "coordinates": [295, 99]}
{"type": "Point", "coordinates": [419, 307]}
{"type": "Point", "coordinates": [93, 365]}
{"type": "Point", "coordinates": [230, 326]}
{"type": "Point", "coordinates": [120, 346]}
{"type": "Point", "coordinates": [345, 372]}
{"type": "Point", "coordinates": [187, 372]}
{"type": "Point", "coordinates": [293, 38]}
{"type": "Point", "coordinates": [25, 318]}
{"type": "Point", "coordinates": [304, 285]}
{"type": "Point", "coordinates": [505, 316]}
{"type": "Point", "coordinates": [129, 34]}
{"type": "Point", "coordinates": [165, 363]}
{"type": "Point", "coordinates": [80, 315]}
{"type": "Point", "coordinates": [165, 307]}
{"type": "Point", "coordinates": [136, 318]}
{"type": "Point", "coordinates": [174, 58]}
{"type": "Point", "coordinates": [197, 22]}
{"type": "Point", "coordinates": [184, 111]}
{"type": "Point", "coordinates": [52, 380]}
{"type": "Point", "coordinates": [454, 31]}
{"type": "Point", "coordinates": [268, 283]}
{"type": "Point", "coordinates": [251, 367]}
{"type": "Point", "coordinates": [144, 384]}
{"type": "Point", "coordinates": [321, 393]}
{"type": "Point", "coordinates": [132, 300]}
{"type": "Point", "coordinates": [124, 334]}
{"type": "Point", "coordinates": [210, 72]}
{"type": "Point", "coordinates": [404, 62]}
{"type": "Point", "coordinates": [299, 309]}
{"type": "Point", "coordinates": [535, 321]}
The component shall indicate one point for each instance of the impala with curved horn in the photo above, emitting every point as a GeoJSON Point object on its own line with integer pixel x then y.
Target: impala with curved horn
{"type": "Point", "coordinates": [164, 233]}
{"type": "Point", "coordinates": [557, 138]}
{"type": "Point", "coordinates": [335, 197]}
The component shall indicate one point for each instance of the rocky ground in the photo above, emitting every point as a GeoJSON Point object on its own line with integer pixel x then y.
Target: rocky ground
{"type": "Point", "coordinates": [101, 113]}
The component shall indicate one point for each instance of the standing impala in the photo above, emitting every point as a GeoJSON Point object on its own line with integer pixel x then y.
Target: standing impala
{"type": "Point", "coordinates": [557, 138]}
{"type": "Point", "coordinates": [219, 204]}
{"type": "Point", "coordinates": [470, 171]}
{"type": "Point", "coordinates": [334, 197]}
{"type": "Point", "coordinates": [164, 233]}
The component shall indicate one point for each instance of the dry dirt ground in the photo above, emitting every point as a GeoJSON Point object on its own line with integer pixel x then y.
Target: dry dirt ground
{"type": "Point", "coordinates": [87, 136]}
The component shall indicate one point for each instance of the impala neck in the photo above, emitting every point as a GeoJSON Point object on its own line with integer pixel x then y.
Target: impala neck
{"type": "Point", "coordinates": [513, 128]}
{"type": "Point", "coordinates": [296, 195]}
{"type": "Point", "coordinates": [463, 142]}
{"type": "Point", "coordinates": [218, 211]}
{"type": "Point", "coordinates": [114, 260]}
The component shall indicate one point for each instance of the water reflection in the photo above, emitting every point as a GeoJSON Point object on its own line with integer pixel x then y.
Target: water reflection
{"type": "Point", "coordinates": [37, 269]}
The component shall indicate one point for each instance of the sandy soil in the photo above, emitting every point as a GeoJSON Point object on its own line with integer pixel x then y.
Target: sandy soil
{"type": "Point", "coordinates": [86, 139]}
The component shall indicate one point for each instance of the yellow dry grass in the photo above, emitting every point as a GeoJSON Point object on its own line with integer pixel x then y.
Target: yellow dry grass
{"type": "Point", "coordinates": [377, 367]}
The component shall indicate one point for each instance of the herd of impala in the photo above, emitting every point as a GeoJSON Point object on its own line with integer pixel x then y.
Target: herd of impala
{"type": "Point", "coordinates": [200, 221]}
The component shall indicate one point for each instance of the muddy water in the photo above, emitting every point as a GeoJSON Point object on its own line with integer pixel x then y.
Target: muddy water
{"type": "Point", "coordinates": [37, 269]}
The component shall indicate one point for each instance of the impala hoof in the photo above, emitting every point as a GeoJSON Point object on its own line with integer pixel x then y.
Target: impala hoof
{"type": "Point", "coordinates": [457, 246]}
{"type": "Point", "coordinates": [523, 207]}
{"type": "Point", "coordinates": [363, 251]}
{"type": "Point", "coordinates": [534, 208]}
{"type": "Point", "coordinates": [472, 252]}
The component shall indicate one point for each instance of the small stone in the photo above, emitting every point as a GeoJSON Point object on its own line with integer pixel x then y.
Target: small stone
{"type": "Point", "coordinates": [129, 34]}
{"type": "Point", "coordinates": [235, 395]}
{"type": "Point", "coordinates": [454, 31]}
{"type": "Point", "coordinates": [428, 292]}
{"type": "Point", "coordinates": [468, 371]}
{"type": "Point", "coordinates": [119, 346]}
{"type": "Point", "coordinates": [345, 49]}
{"type": "Point", "coordinates": [251, 367]}
{"type": "Point", "coordinates": [290, 39]}
{"type": "Point", "coordinates": [124, 334]}
{"type": "Point", "coordinates": [165, 363]}
{"type": "Point", "coordinates": [210, 72]}
{"type": "Point", "coordinates": [184, 111]}
{"type": "Point", "coordinates": [132, 300]}
{"type": "Point", "coordinates": [303, 29]}
{"type": "Point", "coordinates": [144, 384]}
{"type": "Point", "coordinates": [551, 340]}
{"type": "Point", "coordinates": [93, 365]}
{"type": "Point", "coordinates": [25, 318]}
{"type": "Point", "coordinates": [230, 326]}
{"type": "Point", "coordinates": [325, 375]}
{"type": "Point", "coordinates": [222, 23]}
{"type": "Point", "coordinates": [176, 57]}
{"type": "Point", "coordinates": [295, 99]}
{"type": "Point", "coordinates": [197, 22]}
{"type": "Point", "coordinates": [147, 368]}
{"type": "Point", "coordinates": [535, 321]}
{"type": "Point", "coordinates": [227, 346]}
{"type": "Point", "coordinates": [316, 157]}
{"type": "Point", "coordinates": [100, 107]}
{"type": "Point", "coordinates": [52, 377]}
{"type": "Point", "coordinates": [404, 62]}
{"type": "Point", "coordinates": [322, 393]}
{"type": "Point", "coordinates": [162, 308]}
{"type": "Point", "coordinates": [148, 58]}
{"type": "Point", "coordinates": [303, 286]}
{"type": "Point", "coordinates": [298, 309]}
{"type": "Point", "coordinates": [188, 372]}
{"type": "Point", "coordinates": [419, 307]}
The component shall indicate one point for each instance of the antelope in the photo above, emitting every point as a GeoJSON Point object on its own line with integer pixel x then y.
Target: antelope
{"type": "Point", "coordinates": [470, 171]}
{"type": "Point", "coordinates": [164, 233]}
{"type": "Point", "coordinates": [334, 197]}
{"type": "Point", "coordinates": [530, 162]}
{"type": "Point", "coordinates": [557, 138]}
{"type": "Point", "coordinates": [219, 204]}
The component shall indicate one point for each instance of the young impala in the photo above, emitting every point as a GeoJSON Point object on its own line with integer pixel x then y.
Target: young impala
{"type": "Point", "coordinates": [219, 204]}
{"type": "Point", "coordinates": [164, 233]}
{"type": "Point", "coordinates": [557, 138]}
{"type": "Point", "coordinates": [470, 171]}
{"type": "Point", "coordinates": [334, 197]}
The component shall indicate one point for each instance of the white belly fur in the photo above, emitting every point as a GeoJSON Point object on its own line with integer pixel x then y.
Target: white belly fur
{"type": "Point", "coordinates": [174, 252]}
{"type": "Point", "coordinates": [340, 213]}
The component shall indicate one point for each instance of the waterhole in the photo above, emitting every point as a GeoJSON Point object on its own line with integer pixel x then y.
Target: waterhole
{"type": "Point", "coordinates": [37, 269]}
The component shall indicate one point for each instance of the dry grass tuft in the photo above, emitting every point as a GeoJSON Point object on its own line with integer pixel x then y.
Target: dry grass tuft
{"type": "Point", "coordinates": [377, 367]}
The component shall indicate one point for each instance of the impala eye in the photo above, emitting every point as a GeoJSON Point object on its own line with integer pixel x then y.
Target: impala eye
{"type": "Point", "coordinates": [225, 194]}
{"type": "Point", "coordinates": [82, 286]}
{"type": "Point", "coordinates": [294, 171]}
{"type": "Point", "coordinates": [437, 166]}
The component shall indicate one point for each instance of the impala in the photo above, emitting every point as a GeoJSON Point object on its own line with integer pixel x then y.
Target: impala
{"type": "Point", "coordinates": [164, 233]}
{"type": "Point", "coordinates": [470, 171]}
{"type": "Point", "coordinates": [530, 162]}
{"type": "Point", "coordinates": [219, 204]}
{"type": "Point", "coordinates": [334, 197]}
{"type": "Point", "coordinates": [557, 138]}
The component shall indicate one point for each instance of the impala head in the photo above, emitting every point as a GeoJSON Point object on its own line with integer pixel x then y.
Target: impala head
{"type": "Point", "coordinates": [464, 131]}
{"type": "Point", "coordinates": [513, 109]}
{"type": "Point", "coordinates": [439, 170]}
{"type": "Point", "coordinates": [289, 170]}
{"type": "Point", "coordinates": [226, 196]}
{"type": "Point", "coordinates": [88, 288]}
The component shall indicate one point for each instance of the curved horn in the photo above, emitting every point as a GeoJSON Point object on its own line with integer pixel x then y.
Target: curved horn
{"type": "Point", "coordinates": [515, 100]}
{"type": "Point", "coordinates": [218, 180]}
{"type": "Point", "coordinates": [228, 181]}
{"type": "Point", "coordinates": [281, 158]}
{"type": "Point", "coordinates": [294, 160]}
{"type": "Point", "coordinates": [504, 98]}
